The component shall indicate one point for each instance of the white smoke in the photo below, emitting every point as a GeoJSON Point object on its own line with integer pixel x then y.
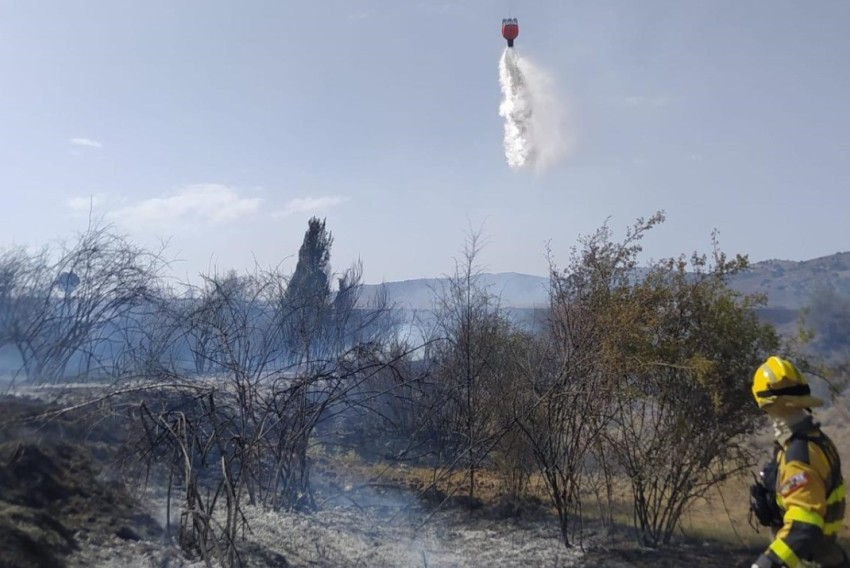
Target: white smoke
{"type": "Point", "coordinates": [535, 116]}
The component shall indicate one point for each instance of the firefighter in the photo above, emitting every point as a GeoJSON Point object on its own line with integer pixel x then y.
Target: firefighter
{"type": "Point", "coordinates": [809, 487]}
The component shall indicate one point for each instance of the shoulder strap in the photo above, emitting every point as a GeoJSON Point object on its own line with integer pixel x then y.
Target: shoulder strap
{"type": "Point", "coordinates": [829, 451]}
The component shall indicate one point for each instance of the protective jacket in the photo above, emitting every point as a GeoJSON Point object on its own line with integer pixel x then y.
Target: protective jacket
{"type": "Point", "coordinates": [810, 493]}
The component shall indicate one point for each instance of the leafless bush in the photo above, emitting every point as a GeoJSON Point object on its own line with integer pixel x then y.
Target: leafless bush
{"type": "Point", "coordinates": [241, 433]}
{"type": "Point", "coordinates": [600, 473]}
{"type": "Point", "coordinates": [513, 461]}
{"type": "Point", "coordinates": [567, 410]}
{"type": "Point", "coordinates": [62, 308]}
{"type": "Point", "coordinates": [474, 367]}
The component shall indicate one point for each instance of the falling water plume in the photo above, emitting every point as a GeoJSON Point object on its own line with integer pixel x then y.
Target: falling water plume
{"type": "Point", "coordinates": [533, 113]}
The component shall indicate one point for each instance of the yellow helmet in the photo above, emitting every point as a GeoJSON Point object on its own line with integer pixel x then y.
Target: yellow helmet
{"type": "Point", "coordinates": [778, 382]}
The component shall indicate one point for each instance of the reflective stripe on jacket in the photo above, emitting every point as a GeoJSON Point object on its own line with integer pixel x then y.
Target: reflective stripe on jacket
{"type": "Point", "coordinates": [811, 493]}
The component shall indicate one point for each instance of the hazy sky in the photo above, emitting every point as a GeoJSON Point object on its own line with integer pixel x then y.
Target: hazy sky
{"type": "Point", "coordinates": [225, 125]}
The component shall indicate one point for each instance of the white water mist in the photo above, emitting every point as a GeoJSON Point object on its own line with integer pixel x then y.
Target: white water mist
{"type": "Point", "coordinates": [535, 130]}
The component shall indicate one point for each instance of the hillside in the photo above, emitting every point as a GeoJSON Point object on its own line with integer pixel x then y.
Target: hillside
{"type": "Point", "coordinates": [787, 284]}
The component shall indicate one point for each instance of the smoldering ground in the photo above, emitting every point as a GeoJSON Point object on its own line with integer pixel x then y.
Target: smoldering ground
{"type": "Point", "coordinates": [65, 502]}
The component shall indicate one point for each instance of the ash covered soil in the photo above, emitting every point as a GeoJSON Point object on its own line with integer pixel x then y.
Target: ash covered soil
{"type": "Point", "coordinates": [63, 503]}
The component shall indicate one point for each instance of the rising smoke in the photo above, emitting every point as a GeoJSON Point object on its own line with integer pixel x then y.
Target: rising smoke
{"type": "Point", "coordinates": [535, 130]}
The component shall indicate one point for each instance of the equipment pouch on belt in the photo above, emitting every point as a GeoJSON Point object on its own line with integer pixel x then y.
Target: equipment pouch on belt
{"type": "Point", "coordinates": [763, 497]}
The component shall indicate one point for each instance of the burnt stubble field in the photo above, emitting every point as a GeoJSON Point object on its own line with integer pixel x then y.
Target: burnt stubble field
{"type": "Point", "coordinates": [69, 497]}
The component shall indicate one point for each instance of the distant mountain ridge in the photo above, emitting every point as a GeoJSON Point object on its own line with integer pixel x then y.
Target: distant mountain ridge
{"type": "Point", "coordinates": [787, 284]}
{"type": "Point", "coordinates": [790, 284]}
{"type": "Point", "coordinates": [516, 290]}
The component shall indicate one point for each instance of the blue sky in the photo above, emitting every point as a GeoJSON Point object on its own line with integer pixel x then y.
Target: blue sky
{"type": "Point", "coordinates": [223, 126]}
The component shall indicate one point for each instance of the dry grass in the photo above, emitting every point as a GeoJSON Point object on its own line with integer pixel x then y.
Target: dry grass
{"type": "Point", "coordinates": [715, 532]}
{"type": "Point", "coordinates": [723, 517]}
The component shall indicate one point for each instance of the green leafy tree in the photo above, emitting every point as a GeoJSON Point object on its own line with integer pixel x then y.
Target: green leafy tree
{"type": "Point", "coordinates": [682, 348]}
{"type": "Point", "coordinates": [570, 391]}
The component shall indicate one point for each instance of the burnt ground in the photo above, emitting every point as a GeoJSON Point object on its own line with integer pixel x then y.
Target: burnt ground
{"type": "Point", "coordinates": [63, 503]}
{"type": "Point", "coordinates": [703, 555]}
{"type": "Point", "coordinates": [56, 496]}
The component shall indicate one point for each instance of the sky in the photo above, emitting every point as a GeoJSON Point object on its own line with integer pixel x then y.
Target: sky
{"type": "Point", "coordinates": [222, 127]}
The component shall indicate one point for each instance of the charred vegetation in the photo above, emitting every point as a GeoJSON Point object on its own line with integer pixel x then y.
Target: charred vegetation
{"type": "Point", "coordinates": [623, 405]}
